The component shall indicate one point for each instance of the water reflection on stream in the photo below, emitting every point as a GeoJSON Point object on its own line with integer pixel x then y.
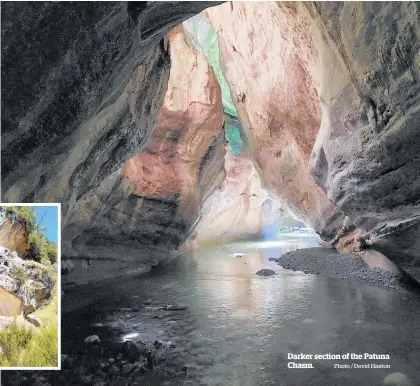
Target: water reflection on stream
{"type": "Point", "coordinates": [239, 327]}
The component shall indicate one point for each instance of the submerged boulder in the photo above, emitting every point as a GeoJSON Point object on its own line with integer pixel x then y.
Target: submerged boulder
{"type": "Point", "coordinates": [131, 351]}
{"type": "Point", "coordinates": [171, 307]}
{"type": "Point", "coordinates": [265, 272]}
{"type": "Point", "coordinates": [92, 339]}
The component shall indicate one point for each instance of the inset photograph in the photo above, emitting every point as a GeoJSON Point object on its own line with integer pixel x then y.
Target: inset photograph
{"type": "Point", "coordinates": [29, 286]}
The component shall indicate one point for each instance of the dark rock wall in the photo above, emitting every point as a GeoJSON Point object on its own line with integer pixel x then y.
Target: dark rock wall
{"type": "Point", "coordinates": [64, 66]}
{"type": "Point", "coordinates": [372, 148]}
{"type": "Point", "coordinates": [82, 85]}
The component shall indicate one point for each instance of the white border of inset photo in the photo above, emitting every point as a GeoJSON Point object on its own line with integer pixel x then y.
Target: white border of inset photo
{"type": "Point", "coordinates": [58, 205]}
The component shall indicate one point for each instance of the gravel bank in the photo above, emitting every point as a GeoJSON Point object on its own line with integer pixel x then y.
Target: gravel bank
{"type": "Point", "coordinates": [328, 262]}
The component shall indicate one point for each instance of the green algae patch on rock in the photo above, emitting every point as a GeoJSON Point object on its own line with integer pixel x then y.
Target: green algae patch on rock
{"type": "Point", "coordinates": [233, 135]}
{"type": "Point", "coordinates": [205, 40]}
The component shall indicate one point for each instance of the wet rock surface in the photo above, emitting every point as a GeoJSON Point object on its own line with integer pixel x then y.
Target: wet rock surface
{"type": "Point", "coordinates": [95, 361]}
{"type": "Point", "coordinates": [100, 364]}
{"type": "Point", "coordinates": [328, 262]}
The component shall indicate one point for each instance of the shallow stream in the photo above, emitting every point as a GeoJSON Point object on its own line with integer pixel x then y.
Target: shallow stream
{"type": "Point", "coordinates": [239, 327]}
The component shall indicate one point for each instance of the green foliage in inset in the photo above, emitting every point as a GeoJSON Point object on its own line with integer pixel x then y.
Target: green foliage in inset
{"type": "Point", "coordinates": [13, 339]}
{"type": "Point", "coordinates": [11, 209]}
{"type": "Point", "coordinates": [52, 251]}
{"type": "Point", "coordinates": [23, 347]}
{"type": "Point", "coordinates": [25, 214]}
{"type": "Point", "coordinates": [42, 350]}
{"type": "Point", "coordinates": [38, 247]}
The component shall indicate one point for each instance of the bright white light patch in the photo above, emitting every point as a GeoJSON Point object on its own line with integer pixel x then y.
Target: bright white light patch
{"type": "Point", "coordinates": [237, 254]}
{"type": "Point", "coordinates": [130, 336]}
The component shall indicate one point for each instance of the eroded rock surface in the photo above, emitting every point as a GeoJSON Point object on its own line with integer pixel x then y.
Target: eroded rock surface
{"type": "Point", "coordinates": [240, 208]}
{"type": "Point", "coordinates": [370, 132]}
{"type": "Point", "coordinates": [73, 81]}
{"type": "Point", "coordinates": [94, 78]}
{"type": "Point", "coordinates": [13, 233]}
{"type": "Point", "coordinates": [275, 96]}
{"type": "Point", "coordinates": [187, 138]}
{"type": "Point", "coordinates": [23, 284]}
{"type": "Point", "coordinates": [334, 113]}
{"type": "Point", "coordinates": [158, 194]}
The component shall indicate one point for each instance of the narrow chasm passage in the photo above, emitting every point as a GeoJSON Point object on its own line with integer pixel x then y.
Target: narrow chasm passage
{"type": "Point", "coordinates": [239, 189]}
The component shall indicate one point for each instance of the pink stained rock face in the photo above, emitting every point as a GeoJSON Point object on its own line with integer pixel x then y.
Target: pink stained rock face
{"type": "Point", "coordinates": [187, 125]}
{"type": "Point", "coordinates": [268, 55]}
{"type": "Point", "coordinates": [148, 207]}
{"type": "Point", "coordinates": [14, 237]}
{"type": "Point", "coordinates": [330, 114]}
{"type": "Point", "coordinates": [240, 208]}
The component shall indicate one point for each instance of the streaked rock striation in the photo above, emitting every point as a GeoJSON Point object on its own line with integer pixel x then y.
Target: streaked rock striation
{"type": "Point", "coordinates": [161, 189]}
{"type": "Point", "coordinates": [319, 105]}
{"type": "Point", "coordinates": [94, 78]}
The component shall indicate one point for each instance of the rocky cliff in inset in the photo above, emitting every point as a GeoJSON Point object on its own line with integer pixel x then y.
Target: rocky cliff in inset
{"type": "Point", "coordinates": [24, 281]}
{"type": "Point", "coordinates": [13, 233]}
{"type": "Point", "coordinates": [25, 284]}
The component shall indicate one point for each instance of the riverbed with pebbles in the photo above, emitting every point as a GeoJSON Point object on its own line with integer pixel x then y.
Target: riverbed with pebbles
{"type": "Point", "coordinates": [328, 262]}
{"type": "Point", "coordinates": [214, 322]}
